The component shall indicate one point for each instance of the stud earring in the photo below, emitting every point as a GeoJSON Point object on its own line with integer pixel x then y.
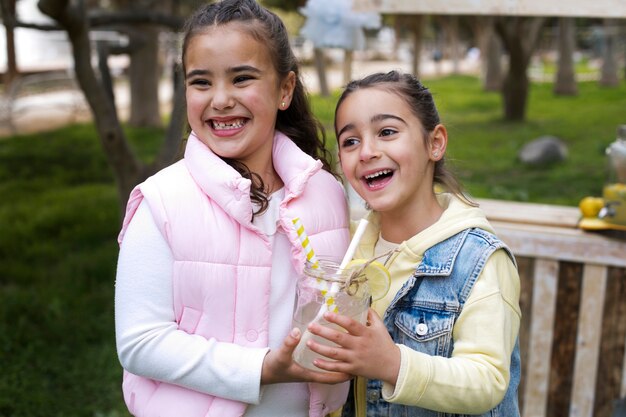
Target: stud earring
{"type": "Point", "coordinates": [436, 154]}
{"type": "Point", "coordinates": [282, 105]}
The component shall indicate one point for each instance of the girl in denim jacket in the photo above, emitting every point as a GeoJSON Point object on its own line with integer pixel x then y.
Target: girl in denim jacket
{"type": "Point", "coordinates": [443, 341]}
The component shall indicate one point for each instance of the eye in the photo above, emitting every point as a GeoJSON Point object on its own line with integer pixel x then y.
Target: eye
{"type": "Point", "coordinates": [242, 78]}
{"type": "Point", "coordinates": [199, 82]}
{"type": "Point", "coordinates": [387, 132]}
{"type": "Point", "coordinates": [349, 142]}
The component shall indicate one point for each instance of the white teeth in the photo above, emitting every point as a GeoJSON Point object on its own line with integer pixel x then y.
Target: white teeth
{"type": "Point", "coordinates": [235, 124]}
{"type": "Point", "coordinates": [378, 174]}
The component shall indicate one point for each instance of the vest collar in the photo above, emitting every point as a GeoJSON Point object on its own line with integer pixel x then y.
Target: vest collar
{"type": "Point", "coordinates": [228, 189]}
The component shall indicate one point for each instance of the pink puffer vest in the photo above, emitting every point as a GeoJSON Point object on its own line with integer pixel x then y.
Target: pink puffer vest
{"type": "Point", "coordinates": [222, 263]}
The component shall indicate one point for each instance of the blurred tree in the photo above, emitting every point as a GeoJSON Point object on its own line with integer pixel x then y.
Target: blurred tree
{"type": "Point", "coordinates": [127, 168]}
{"type": "Point", "coordinates": [490, 48]}
{"type": "Point", "coordinates": [414, 24]}
{"type": "Point", "coordinates": [451, 44]}
{"type": "Point", "coordinates": [7, 7]}
{"type": "Point", "coordinates": [565, 82]}
{"type": "Point", "coordinates": [145, 70]}
{"type": "Point", "coordinates": [288, 5]}
{"type": "Point", "coordinates": [519, 36]}
{"type": "Point", "coordinates": [608, 75]}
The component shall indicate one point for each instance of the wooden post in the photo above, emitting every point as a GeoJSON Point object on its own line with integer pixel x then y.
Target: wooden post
{"type": "Point", "coordinates": [588, 341]}
{"type": "Point", "coordinates": [543, 311]}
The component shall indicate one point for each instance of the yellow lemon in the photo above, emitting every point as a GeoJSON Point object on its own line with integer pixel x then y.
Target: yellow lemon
{"type": "Point", "coordinates": [590, 206]}
{"type": "Point", "coordinates": [377, 275]}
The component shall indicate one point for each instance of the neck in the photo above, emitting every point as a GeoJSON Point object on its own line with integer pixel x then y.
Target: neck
{"type": "Point", "coordinates": [271, 180]}
{"type": "Point", "coordinates": [397, 226]}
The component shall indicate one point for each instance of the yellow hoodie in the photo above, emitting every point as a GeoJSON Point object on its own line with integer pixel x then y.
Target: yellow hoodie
{"type": "Point", "coordinates": [476, 377]}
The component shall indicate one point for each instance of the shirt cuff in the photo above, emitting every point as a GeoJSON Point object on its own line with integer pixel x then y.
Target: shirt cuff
{"type": "Point", "coordinates": [412, 379]}
{"type": "Point", "coordinates": [391, 391]}
{"type": "Point", "coordinates": [255, 392]}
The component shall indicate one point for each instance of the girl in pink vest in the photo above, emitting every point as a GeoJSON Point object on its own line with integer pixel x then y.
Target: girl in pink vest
{"type": "Point", "coordinates": [208, 254]}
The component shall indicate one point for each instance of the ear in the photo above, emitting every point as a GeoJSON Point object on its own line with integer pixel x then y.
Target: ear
{"type": "Point", "coordinates": [438, 142]}
{"type": "Point", "coordinates": [287, 85]}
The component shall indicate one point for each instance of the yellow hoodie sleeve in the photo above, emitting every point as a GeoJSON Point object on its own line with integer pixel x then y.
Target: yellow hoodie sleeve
{"type": "Point", "coordinates": [475, 378]}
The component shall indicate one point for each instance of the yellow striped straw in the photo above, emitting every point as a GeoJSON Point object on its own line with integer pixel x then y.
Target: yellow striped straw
{"type": "Point", "coordinates": [306, 243]}
{"type": "Point", "coordinates": [310, 256]}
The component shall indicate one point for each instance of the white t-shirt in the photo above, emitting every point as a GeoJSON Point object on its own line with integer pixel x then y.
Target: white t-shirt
{"type": "Point", "coordinates": [149, 343]}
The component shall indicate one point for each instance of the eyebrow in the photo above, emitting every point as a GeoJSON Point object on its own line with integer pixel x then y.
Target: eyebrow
{"type": "Point", "coordinates": [375, 118]}
{"type": "Point", "coordinates": [233, 70]}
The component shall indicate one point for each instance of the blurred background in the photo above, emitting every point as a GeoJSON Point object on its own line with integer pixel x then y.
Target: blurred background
{"type": "Point", "coordinates": [92, 104]}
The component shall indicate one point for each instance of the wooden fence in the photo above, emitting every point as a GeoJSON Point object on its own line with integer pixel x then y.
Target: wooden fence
{"type": "Point", "coordinates": [574, 309]}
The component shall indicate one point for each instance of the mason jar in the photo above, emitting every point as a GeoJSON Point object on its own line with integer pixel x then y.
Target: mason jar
{"type": "Point", "coordinates": [614, 190]}
{"type": "Point", "coordinates": [324, 287]}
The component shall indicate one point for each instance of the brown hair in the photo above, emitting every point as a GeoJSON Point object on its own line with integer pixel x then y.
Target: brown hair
{"type": "Point", "coordinates": [297, 121]}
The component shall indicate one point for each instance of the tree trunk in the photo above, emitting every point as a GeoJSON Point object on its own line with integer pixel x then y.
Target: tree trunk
{"type": "Point", "coordinates": [144, 77]}
{"type": "Point", "coordinates": [417, 31]}
{"type": "Point", "coordinates": [519, 36]}
{"type": "Point", "coordinates": [8, 16]}
{"type": "Point", "coordinates": [348, 55]}
{"type": "Point", "coordinates": [515, 88]}
{"type": "Point", "coordinates": [493, 72]}
{"type": "Point", "coordinates": [565, 82]}
{"type": "Point", "coordinates": [127, 168]}
{"type": "Point", "coordinates": [490, 52]}
{"type": "Point", "coordinates": [609, 77]}
{"type": "Point", "coordinates": [451, 30]}
{"type": "Point", "coordinates": [320, 67]}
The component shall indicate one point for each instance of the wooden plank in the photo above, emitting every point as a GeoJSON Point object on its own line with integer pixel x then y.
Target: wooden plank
{"type": "Point", "coordinates": [530, 213]}
{"type": "Point", "coordinates": [579, 8]}
{"type": "Point", "coordinates": [541, 330]}
{"type": "Point", "coordinates": [623, 389]}
{"type": "Point", "coordinates": [611, 357]}
{"type": "Point", "coordinates": [572, 245]}
{"type": "Point", "coordinates": [526, 267]}
{"type": "Point", "coordinates": [588, 340]}
{"type": "Point", "coordinates": [568, 293]}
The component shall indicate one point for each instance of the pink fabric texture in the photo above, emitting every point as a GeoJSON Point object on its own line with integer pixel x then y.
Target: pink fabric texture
{"type": "Point", "coordinates": [222, 262]}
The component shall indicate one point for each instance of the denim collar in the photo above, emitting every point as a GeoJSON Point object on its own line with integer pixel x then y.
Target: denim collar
{"type": "Point", "coordinates": [439, 259]}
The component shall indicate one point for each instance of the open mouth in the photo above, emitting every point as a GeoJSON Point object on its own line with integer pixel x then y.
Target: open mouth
{"type": "Point", "coordinates": [228, 125]}
{"type": "Point", "coordinates": [379, 178]}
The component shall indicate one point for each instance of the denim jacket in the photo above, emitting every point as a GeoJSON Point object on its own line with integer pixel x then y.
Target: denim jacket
{"type": "Point", "coordinates": [423, 313]}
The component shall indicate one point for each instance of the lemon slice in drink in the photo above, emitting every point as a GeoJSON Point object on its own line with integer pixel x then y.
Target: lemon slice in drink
{"type": "Point", "coordinates": [377, 275]}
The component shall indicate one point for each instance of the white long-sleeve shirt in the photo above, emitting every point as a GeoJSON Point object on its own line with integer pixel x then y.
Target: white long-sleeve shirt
{"type": "Point", "coordinates": [150, 344]}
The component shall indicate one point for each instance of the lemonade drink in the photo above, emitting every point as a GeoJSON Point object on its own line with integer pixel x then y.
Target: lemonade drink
{"type": "Point", "coordinates": [314, 294]}
{"type": "Point", "coordinates": [615, 196]}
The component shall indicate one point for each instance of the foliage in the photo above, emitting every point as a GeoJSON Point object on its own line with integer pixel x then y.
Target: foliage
{"type": "Point", "coordinates": [59, 219]}
{"type": "Point", "coordinates": [288, 5]}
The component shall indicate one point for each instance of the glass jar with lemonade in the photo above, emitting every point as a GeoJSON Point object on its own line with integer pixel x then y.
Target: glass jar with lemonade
{"type": "Point", "coordinates": [614, 191]}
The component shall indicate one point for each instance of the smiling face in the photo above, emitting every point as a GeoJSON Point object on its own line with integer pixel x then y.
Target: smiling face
{"type": "Point", "coordinates": [384, 153]}
{"type": "Point", "coordinates": [234, 93]}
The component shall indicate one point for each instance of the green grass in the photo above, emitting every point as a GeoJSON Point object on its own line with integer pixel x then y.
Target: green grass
{"type": "Point", "coordinates": [59, 220]}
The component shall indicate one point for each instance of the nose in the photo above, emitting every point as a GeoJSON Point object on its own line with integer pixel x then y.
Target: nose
{"type": "Point", "coordinates": [222, 98]}
{"type": "Point", "coordinates": [369, 149]}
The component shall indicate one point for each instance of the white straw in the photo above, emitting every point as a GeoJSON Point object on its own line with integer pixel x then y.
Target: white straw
{"type": "Point", "coordinates": [358, 234]}
{"type": "Point", "coordinates": [334, 287]}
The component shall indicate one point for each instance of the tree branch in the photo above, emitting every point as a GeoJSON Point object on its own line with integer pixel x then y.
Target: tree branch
{"type": "Point", "coordinates": [172, 144]}
{"type": "Point", "coordinates": [53, 8]}
{"type": "Point", "coordinates": [99, 18]}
